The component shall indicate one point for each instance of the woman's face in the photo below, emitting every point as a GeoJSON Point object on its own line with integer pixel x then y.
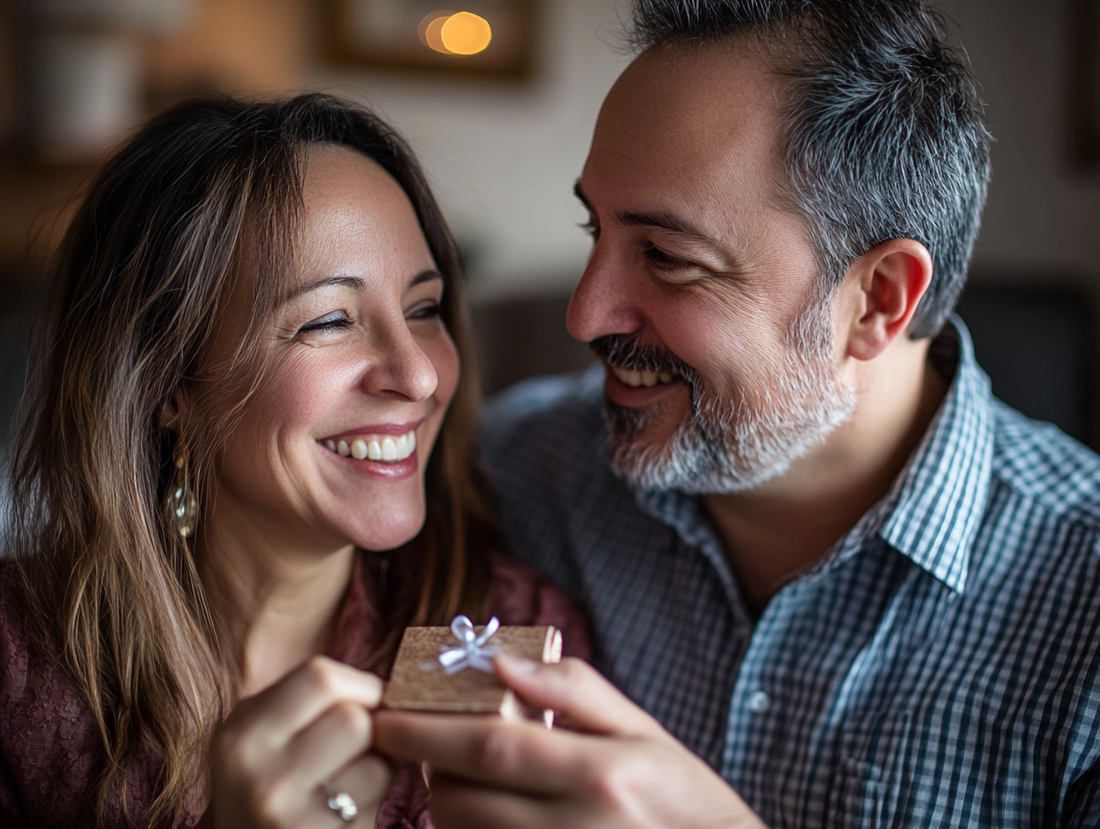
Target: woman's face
{"type": "Point", "coordinates": [331, 448]}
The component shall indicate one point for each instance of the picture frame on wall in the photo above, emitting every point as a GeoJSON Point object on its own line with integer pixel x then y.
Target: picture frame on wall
{"type": "Point", "coordinates": [479, 38]}
{"type": "Point", "coordinates": [1085, 83]}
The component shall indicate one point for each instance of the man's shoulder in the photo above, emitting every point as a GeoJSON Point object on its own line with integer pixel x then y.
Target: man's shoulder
{"type": "Point", "coordinates": [544, 451]}
{"type": "Point", "coordinates": [1047, 467]}
{"type": "Point", "coordinates": [578, 394]}
{"type": "Point", "coordinates": [545, 420]}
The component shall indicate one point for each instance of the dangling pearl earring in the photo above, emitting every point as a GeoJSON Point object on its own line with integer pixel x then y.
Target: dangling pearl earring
{"type": "Point", "coordinates": [180, 505]}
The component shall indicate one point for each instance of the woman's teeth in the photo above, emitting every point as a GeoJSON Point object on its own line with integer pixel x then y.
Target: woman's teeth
{"type": "Point", "coordinates": [386, 450]}
{"type": "Point", "coordinates": [641, 378]}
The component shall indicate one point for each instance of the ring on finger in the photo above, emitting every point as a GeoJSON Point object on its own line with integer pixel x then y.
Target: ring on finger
{"type": "Point", "coordinates": [341, 804]}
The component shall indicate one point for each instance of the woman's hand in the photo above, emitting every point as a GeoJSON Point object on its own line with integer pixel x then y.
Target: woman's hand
{"type": "Point", "coordinates": [279, 755]}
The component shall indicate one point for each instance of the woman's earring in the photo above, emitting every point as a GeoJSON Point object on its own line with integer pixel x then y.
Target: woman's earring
{"type": "Point", "coordinates": [179, 503]}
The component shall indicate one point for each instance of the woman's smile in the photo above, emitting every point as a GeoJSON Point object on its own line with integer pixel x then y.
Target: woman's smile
{"type": "Point", "coordinates": [386, 452]}
{"type": "Point", "coordinates": [383, 448]}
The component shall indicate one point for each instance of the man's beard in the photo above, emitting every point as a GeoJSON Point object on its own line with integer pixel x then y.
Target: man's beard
{"type": "Point", "coordinates": [727, 444]}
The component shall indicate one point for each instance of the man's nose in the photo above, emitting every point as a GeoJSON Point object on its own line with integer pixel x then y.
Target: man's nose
{"type": "Point", "coordinates": [605, 300]}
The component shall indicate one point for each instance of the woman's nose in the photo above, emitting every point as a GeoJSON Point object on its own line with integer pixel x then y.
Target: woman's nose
{"type": "Point", "coordinates": [402, 369]}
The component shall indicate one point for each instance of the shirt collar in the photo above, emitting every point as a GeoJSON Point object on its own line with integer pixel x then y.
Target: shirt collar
{"type": "Point", "coordinates": [932, 511]}
{"type": "Point", "coordinates": [936, 504]}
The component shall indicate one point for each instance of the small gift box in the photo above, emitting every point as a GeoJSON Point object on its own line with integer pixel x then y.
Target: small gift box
{"type": "Point", "coordinates": [451, 669]}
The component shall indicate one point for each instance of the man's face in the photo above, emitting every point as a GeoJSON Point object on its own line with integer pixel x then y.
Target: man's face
{"type": "Point", "coordinates": [701, 294]}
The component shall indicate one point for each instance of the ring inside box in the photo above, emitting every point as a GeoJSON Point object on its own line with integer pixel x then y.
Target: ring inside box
{"type": "Point", "coordinates": [419, 682]}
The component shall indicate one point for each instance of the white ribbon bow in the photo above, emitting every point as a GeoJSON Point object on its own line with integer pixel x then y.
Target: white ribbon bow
{"type": "Point", "coordinates": [472, 653]}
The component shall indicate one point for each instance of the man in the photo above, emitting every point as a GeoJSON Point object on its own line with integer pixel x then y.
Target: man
{"type": "Point", "coordinates": [858, 588]}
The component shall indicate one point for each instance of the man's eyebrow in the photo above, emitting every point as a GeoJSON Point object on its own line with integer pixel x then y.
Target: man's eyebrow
{"type": "Point", "coordinates": [664, 220]}
{"type": "Point", "coordinates": [425, 276]}
{"type": "Point", "coordinates": [659, 219]}
{"type": "Point", "coordinates": [578, 191]}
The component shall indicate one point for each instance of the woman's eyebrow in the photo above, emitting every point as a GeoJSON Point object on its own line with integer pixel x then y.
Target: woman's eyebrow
{"type": "Point", "coordinates": [354, 282]}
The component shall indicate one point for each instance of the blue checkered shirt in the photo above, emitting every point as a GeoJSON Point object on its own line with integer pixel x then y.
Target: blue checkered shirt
{"type": "Point", "coordinates": [939, 667]}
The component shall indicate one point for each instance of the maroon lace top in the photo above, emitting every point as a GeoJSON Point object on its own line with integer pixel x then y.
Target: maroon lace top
{"type": "Point", "coordinates": [50, 751]}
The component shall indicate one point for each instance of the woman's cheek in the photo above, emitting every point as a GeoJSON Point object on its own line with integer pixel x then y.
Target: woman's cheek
{"type": "Point", "coordinates": [440, 350]}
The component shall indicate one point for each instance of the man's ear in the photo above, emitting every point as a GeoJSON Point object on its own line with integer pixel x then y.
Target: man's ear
{"type": "Point", "coordinates": [884, 287]}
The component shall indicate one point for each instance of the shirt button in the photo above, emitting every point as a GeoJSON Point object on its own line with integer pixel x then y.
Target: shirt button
{"type": "Point", "coordinates": [759, 702]}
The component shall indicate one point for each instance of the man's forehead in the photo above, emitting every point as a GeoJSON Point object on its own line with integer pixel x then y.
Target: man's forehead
{"type": "Point", "coordinates": [690, 123]}
{"type": "Point", "coordinates": [719, 87]}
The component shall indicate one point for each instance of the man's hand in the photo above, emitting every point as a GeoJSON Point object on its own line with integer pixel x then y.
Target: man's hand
{"type": "Point", "coordinates": [614, 767]}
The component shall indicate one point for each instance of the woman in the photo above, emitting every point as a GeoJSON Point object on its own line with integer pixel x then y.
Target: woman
{"type": "Point", "coordinates": [256, 344]}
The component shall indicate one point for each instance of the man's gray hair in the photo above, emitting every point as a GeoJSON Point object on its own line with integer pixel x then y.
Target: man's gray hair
{"type": "Point", "coordinates": [883, 136]}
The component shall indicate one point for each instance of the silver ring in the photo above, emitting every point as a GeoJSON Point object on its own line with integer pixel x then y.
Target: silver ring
{"type": "Point", "coordinates": [342, 804]}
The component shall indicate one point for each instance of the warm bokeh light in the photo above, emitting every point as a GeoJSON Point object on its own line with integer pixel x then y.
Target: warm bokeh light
{"type": "Point", "coordinates": [429, 30]}
{"type": "Point", "coordinates": [455, 33]}
{"type": "Point", "coordinates": [465, 33]}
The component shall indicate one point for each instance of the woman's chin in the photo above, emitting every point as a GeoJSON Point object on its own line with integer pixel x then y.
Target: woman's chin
{"type": "Point", "coordinates": [392, 532]}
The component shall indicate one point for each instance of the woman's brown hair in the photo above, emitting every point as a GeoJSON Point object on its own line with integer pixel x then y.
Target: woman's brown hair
{"type": "Point", "coordinates": [142, 275]}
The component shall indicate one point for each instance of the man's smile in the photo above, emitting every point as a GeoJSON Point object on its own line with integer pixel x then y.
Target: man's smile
{"type": "Point", "coordinates": [640, 378]}
{"type": "Point", "coordinates": [635, 388]}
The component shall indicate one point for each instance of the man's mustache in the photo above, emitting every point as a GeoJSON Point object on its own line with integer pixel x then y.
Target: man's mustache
{"type": "Point", "coordinates": [626, 352]}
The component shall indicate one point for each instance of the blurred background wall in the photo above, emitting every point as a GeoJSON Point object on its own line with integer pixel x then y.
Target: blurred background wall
{"type": "Point", "coordinates": [504, 143]}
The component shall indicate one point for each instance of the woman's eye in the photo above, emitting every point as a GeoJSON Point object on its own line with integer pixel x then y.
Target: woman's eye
{"type": "Point", "coordinates": [329, 322]}
{"type": "Point", "coordinates": [666, 262]}
{"type": "Point", "coordinates": [426, 311]}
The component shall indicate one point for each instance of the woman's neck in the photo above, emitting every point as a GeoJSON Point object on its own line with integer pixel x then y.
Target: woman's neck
{"type": "Point", "coordinates": [278, 606]}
